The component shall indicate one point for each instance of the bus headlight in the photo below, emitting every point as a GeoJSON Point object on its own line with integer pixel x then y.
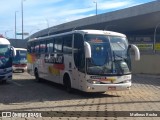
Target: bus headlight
{"type": "Point", "coordinates": [127, 81]}
{"type": "Point", "coordinates": [93, 81]}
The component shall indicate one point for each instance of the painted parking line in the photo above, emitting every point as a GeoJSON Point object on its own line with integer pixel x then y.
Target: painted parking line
{"type": "Point", "coordinates": [18, 84]}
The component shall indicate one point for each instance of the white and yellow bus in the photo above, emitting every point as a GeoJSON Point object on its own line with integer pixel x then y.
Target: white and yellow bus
{"type": "Point", "coordinates": [87, 60]}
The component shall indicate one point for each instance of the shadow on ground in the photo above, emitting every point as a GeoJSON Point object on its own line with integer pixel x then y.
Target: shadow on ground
{"type": "Point", "coordinates": [28, 90]}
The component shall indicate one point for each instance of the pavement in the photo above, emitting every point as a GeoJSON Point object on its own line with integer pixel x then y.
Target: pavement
{"type": "Point", "coordinates": [23, 94]}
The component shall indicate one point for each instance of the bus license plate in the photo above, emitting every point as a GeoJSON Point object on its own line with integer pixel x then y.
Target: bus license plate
{"type": "Point", "coordinates": [112, 88]}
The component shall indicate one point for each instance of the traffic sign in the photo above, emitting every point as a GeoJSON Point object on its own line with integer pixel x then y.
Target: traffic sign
{"type": "Point", "coordinates": [21, 33]}
{"type": "Point", "coordinates": [18, 33]}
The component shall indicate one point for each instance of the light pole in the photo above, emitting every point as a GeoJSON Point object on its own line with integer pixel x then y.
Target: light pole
{"type": "Point", "coordinates": [15, 25]}
{"type": "Point", "coordinates": [22, 16]}
{"type": "Point", "coordinates": [154, 42]}
{"type": "Point", "coordinates": [96, 6]}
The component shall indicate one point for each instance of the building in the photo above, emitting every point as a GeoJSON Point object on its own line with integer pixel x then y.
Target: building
{"type": "Point", "coordinates": [18, 43]}
{"type": "Point", "coordinates": [140, 23]}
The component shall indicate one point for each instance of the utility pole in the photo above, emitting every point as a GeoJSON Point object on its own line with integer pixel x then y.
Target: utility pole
{"type": "Point", "coordinates": [22, 16]}
{"type": "Point", "coordinates": [15, 25]}
{"type": "Point", "coordinates": [96, 6]}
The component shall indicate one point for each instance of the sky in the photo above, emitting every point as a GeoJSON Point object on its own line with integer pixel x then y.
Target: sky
{"type": "Point", "coordinates": [41, 14]}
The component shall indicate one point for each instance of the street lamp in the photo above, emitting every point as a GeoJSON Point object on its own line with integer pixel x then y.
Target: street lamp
{"type": "Point", "coordinates": [15, 26]}
{"type": "Point", "coordinates": [22, 16]}
{"type": "Point", "coordinates": [96, 6]}
{"type": "Point", "coordinates": [154, 42]}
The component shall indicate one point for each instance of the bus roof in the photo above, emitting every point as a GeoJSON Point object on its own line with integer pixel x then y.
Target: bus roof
{"type": "Point", "coordinates": [97, 32]}
{"type": "Point", "coordinates": [103, 32]}
{"type": "Point", "coordinates": [4, 41]}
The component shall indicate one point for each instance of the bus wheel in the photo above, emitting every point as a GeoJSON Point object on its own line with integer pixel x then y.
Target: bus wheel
{"type": "Point", "coordinates": [36, 75]}
{"type": "Point", "coordinates": [4, 81]}
{"type": "Point", "coordinates": [67, 84]}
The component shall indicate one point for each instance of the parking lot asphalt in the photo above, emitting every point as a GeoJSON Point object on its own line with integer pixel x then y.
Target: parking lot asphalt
{"type": "Point", "coordinates": [23, 94]}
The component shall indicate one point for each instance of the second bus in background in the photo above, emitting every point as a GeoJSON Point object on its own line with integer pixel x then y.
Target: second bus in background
{"type": "Point", "coordinates": [20, 61]}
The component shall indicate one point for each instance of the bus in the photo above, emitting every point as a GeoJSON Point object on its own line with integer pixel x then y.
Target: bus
{"type": "Point", "coordinates": [20, 60]}
{"type": "Point", "coordinates": [6, 55]}
{"type": "Point", "coordinates": [87, 60]}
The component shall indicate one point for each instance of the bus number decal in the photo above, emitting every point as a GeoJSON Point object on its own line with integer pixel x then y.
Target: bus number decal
{"type": "Point", "coordinates": [103, 79]}
{"type": "Point", "coordinates": [57, 63]}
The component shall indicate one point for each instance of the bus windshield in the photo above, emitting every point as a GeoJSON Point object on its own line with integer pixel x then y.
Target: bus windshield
{"type": "Point", "coordinates": [4, 50]}
{"type": "Point", "coordinates": [109, 55]}
{"type": "Point", "coordinates": [20, 57]}
{"type": "Point", "coordinates": [4, 55]}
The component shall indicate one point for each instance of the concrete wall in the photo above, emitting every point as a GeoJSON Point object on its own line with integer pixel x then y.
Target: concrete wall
{"type": "Point", "coordinates": [149, 64]}
{"type": "Point", "coordinates": [18, 43]}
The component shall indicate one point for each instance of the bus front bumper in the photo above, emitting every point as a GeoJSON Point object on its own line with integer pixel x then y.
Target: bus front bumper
{"type": "Point", "coordinates": [5, 77]}
{"type": "Point", "coordinates": [107, 87]}
{"type": "Point", "coordinates": [6, 74]}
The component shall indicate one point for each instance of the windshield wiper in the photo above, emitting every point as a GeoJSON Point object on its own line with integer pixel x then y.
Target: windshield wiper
{"type": "Point", "coordinates": [120, 45]}
{"type": "Point", "coordinates": [117, 63]}
{"type": "Point", "coordinates": [124, 58]}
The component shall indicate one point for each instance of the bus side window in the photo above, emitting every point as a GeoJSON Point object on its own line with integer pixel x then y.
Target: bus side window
{"type": "Point", "coordinates": [58, 45]}
{"type": "Point", "coordinates": [50, 45]}
{"type": "Point", "coordinates": [32, 47]}
{"type": "Point", "coordinates": [42, 47]}
{"type": "Point", "coordinates": [29, 47]}
{"type": "Point", "coordinates": [37, 47]}
{"type": "Point", "coordinates": [79, 57]}
{"type": "Point", "coordinates": [67, 44]}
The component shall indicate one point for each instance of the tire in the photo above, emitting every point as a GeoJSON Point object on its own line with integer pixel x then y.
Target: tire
{"type": "Point", "coordinates": [36, 74]}
{"type": "Point", "coordinates": [22, 71]}
{"type": "Point", "coordinates": [67, 84]}
{"type": "Point", "coordinates": [4, 81]}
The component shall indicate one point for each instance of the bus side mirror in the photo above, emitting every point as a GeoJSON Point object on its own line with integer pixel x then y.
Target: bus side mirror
{"type": "Point", "coordinates": [13, 52]}
{"type": "Point", "coordinates": [136, 51]}
{"type": "Point", "coordinates": [87, 50]}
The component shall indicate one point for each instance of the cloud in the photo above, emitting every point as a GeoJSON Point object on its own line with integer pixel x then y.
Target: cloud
{"type": "Point", "coordinates": [113, 5]}
{"type": "Point", "coordinates": [39, 14]}
{"type": "Point", "coordinates": [67, 10]}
